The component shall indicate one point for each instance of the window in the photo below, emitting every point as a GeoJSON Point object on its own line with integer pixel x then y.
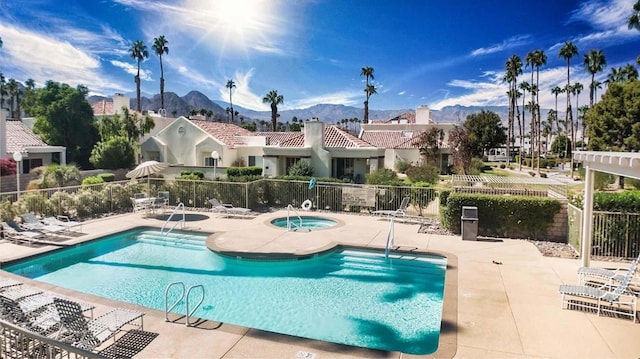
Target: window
{"type": "Point", "coordinates": [254, 161]}
{"type": "Point", "coordinates": [210, 162]}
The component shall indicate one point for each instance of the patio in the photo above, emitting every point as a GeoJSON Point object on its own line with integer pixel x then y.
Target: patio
{"type": "Point", "coordinates": [510, 309]}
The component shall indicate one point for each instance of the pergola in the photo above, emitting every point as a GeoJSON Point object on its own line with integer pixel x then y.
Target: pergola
{"type": "Point", "coordinates": [625, 164]}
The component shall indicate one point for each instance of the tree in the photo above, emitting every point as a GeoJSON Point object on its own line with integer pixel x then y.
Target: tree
{"type": "Point", "coordinates": [429, 145]}
{"type": "Point", "coordinates": [576, 89]}
{"type": "Point", "coordinates": [13, 90]}
{"type": "Point", "coordinates": [29, 97]}
{"type": "Point", "coordinates": [274, 100]}
{"type": "Point", "coordinates": [634, 20]}
{"type": "Point", "coordinates": [485, 131]}
{"type": "Point", "coordinates": [539, 59]}
{"type": "Point", "coordinates": [613, 124]}
{"type": "Point", "coordinates": [367, 72]}
{"type": "Point", "coordinates": [55, 175]}
{"type": "Point", "coordinates": [230, 85]}
{"type": "Point", "coordinates": [114, 153]}
{"type": "Point", "coordinates": [160, 47]}
{"type": "Point", "coordinates": [568, 51]}
{"type": "Point", "coordinates": [524, 86]}
{"type": "Point", "coordinates": [556, 90]}
{"type": "Point", "coordinates": [139, 52]}
{"type": "Point", "coordinates": [513, 68]}
{"type": "Point", "coordinates": [65, 118]}
{"type": "Point", "coordinates": [3, 90]}
{"type": "Point", "coordinates": [594, 62]}
{"type": "Point", "coordinates": [461, 151]}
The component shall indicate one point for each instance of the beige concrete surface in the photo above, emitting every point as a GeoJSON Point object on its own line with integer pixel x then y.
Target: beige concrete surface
{"type": "Point", "coordinates": [507, 310]}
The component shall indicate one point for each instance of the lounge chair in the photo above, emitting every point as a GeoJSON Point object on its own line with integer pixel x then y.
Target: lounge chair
{"type": "Point", "coordinates": [8, 282]}
{"type": "Point", "coordinates": [43, 322]}
{"type": "Point", "coordinates": [606, 298]}
{"type": "Point", "coordinates": [88, 334]}
{"type": "Point", "coordinates": [400, 212]}
{"type": "Point", "coordinates": [32, 223]}
{"type": "Point", "coordinates": [13, 231]}
{"type": "Point", "coordinates": [612, 276]}
{"type": "Point", "coordinates": [62, 221]}
{"type": "Point", "coordinates": [227, 207]}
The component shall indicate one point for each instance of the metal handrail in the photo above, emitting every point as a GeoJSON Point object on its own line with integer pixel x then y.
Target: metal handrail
{"type": "Point", "coordinates": [389, 237]}
{"type": "Point", "coordinates": [166, 299]}
{"type": "Point", "coordinates": [190, 313]}
{"type": "Point", "coordinates": [182, 221]}
{"type": "Point", "coordinates": [289, 223]}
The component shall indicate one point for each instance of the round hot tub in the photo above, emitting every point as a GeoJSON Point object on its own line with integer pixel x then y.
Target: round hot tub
{"type": "Point", "coordinates": [304, 222]}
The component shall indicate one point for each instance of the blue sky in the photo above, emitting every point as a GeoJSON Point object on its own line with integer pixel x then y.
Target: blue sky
{"type": "Point", "coordinates": [424, 52]}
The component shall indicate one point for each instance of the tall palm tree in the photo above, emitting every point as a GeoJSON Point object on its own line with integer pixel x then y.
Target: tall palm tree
{"type": "Point", "coordinates": [530, 62]}
{"type": "Point", "coordinates": [230, 85]}
{"type": "Point", "coordinates": [540, 59]}
{"type": "Point", "coordinates": [568, 51]}
{"type": "Point", "coordinates": [369, 90]}
{"type": "Point", "coordinates": [556, 90]}
{"type": "Point", "coordinates": [274, 100]}
{"type": "Point", "coordinates": [513, 68]}
{"type": "Point", "coordinates": [160, 47]}
{"type": "Point", "coordinates": [634, 19]}
{"type": "Point", "coordinates": [596, 85]}
{"type": "Point", "coordinates": [525, 87]}
{"type": "Point", "coordinates": [615, 75]}
{"type": "Point", "coordinates": [630, 72]}
{"type": "Point", "coordinates": [12, 90]}
{"type": "Point", "coordinates": [594, 62]}
{"type": "Point", "coordinates": [576, 89]}
{"type": "Point", "coordinates": [367, 72]}
{"type": "Point", "coordinates": [139, 52]}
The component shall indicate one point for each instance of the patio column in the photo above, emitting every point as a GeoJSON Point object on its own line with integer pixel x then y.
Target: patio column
{"type": "Point", "coordinates": [587, 217]}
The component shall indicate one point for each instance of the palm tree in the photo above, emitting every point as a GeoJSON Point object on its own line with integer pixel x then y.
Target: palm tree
{"type": "Point", "coordinates": [540, 58]}
{"type": "Point", "coordinates": [634, 19]}
{"type": "Point", "coordinates": [525, 87]}
{"type": "Point", "coordinates": [568, 51]}
{"type": "Point", "coordinates": [160, 47]}
{"type": "Point", "coordinates": [596, 85]}
{"type": "Point", "coordinates": [367, 72]}
{"type": "Point", "coordinates": [615, 75]}
{"type": "Point", "coordinates": [513, 68]}
{"type": "Point", "coordinates": [274, 100]}
{"type": "Point", "coordinates": [630, 72]}
{"type": "Point", "coordinates": [594, 62]}
{"type": "Point", "coordinates": [369, 90]}
{"type": "Point", "coordinates": [576, 89]}
{"type": "Point", "coordinates": [531, 61]}
{"type": "Point", "coordinates": [230, 85]}
{"type": "Point", "coordinates": [3, 91]}
{"type": "Point", "coordinates": [138, 51]}
{"type": "Point", "coordinates": [12, 90]}
{"type": "Point", "coordinates": [556, 90]}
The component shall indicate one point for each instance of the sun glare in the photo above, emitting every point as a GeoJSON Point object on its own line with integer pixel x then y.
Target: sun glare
{"type": "Point", "coordinates": [239, 17]}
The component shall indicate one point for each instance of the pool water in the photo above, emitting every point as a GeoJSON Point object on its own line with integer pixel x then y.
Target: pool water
{"type": "Point", "coordinates": [305, 222]}
{"type": "Point", "coordinates": [347, 296]}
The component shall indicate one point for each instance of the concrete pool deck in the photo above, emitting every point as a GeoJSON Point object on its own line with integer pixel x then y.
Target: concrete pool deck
{"type": "Point", "coordinates": [508, 310]}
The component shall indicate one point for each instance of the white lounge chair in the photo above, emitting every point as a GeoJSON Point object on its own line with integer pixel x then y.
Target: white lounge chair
{"type": "Point", "coordinates": [32, 223]}
{"type": "Point", "coordinates": [88, 334]}
{"type": "Point", "coordinates": [13, 231]}
{"type": "Point", "coordinates": [227, 207]}
{"type": "Point", "coordinates": [43, 322]}
{"type": "Point", "coordinates": [400, 212]}
{"type": "Point", "coordinates": [62, 221]}
{"type": "Point", "coordinates": [606, 298]}
{"type": "Point", "coordinates": [586, 274]}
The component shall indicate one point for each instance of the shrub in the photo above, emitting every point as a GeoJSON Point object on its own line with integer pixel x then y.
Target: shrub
{"type": "Point", "coordinates": [502, 216]}
{"type": "Point", "coordinates": [635, 183]}
{"type": "Point", "coordinates": [92, 180]}
{"type": "Point", "coordinates": [383, 176]}
{"type": "Point", "coordinates": [543, 175]}
{"type": "Point", "coordinates": [191, 175]}
{"type": "Point", "coordinates": [107, 177]}
{"type": "Point", "coordinates": [476, 166]}
{"type": "Point", "coordinates": [424, 173]}
{"type": "Point", "coordinates": [402, 166]}
{"type": "Point", "coordinates": [301, 168]}
{"type": "Point", "coordinates": [503, 166]}
{"type": "Point", "coordinates": [7, 210]}
{"type": "Point", "coordinates": [244, 171]}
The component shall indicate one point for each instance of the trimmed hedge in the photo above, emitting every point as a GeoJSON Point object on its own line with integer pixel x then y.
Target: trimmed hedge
{"type": "Point", "coordinates": [501, 216]}
{"type": "Point", "coordinates": [244, 171]}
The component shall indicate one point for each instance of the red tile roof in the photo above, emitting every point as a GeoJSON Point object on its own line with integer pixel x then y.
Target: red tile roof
{"type": "Point", "coordinates": [103, 108]}
{"type": "Point", "coordinates": [409, 116]}
{"type": "Point", "coordinates": [337, 137]}
{"type": "Point", "coordinates": [20, 136]}
{"type": "Point", "coordinates": [390, 138]}
{"type": "Point", "coordinates": [226, 133]}
{"type": "Point", "coordinates": [283, 139]}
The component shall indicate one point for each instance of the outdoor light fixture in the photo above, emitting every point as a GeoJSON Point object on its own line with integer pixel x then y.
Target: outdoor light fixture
{"type": "Point", "coordinates": [216, 156]}
{"type": "Point", "coordinates": [17, 157]}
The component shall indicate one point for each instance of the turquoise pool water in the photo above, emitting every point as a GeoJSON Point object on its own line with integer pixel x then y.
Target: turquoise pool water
{"type": "Point", "coordinates": [308, 222]}
{"type": "Point", "coordinates": [348, 296]}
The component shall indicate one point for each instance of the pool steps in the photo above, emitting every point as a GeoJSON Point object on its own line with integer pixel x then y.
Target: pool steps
{"type": "Point", "coordinates": [174, 239]}
{"type": "Point", "coordinates": [397, 263]}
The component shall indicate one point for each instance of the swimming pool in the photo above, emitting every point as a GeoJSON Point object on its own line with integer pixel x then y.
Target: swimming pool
{"type": "Point", "coordinates": [347, 296]}
{"type": "Point", "coordinates": [305, 222]}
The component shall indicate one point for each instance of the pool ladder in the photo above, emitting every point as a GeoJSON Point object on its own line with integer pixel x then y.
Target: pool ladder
{"type": "Point", "coordinates": [181, 222]}
{"type": "Point", "coordinates": [188, 313]}
{"type": "Point", "coordinates": [292, 226]}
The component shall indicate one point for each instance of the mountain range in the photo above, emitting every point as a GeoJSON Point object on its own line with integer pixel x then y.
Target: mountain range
{"type": "Point", "coordinates": [195, 100]}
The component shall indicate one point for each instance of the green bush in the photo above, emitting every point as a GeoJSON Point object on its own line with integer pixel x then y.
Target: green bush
{"type": "Point", "coordinates": [476, 166]}
{"type": "Point", "coordinates": [424, 173]}
{"type": "Point", "coordinates": [502, 216]}
{"type": "Point", "coordinates": [107, 177]}
{"type": "Point", "coordinates": [383, 176]}
{"type": "Point", "coordinates": [635, 183]}
{"type": "Point", "coordinates": [92, 180]}
{"type": "Point", "coordinates": [244, 171]}
{"type": "Point", "coordinates": [402, 166]}
{"type": "Point", "coordinates": [191, 175]}
{"type": "Point", "coordinates": [301, 168]}
{"type": "Point", "coordinates": [627, 201]}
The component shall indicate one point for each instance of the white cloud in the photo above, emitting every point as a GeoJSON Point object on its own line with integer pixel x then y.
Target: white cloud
{"type": "Point", "coordinates": [509, 43]}
{"type": "Point", "coordinates": [132, 69]}
{"type": "Point", "coordinates": [27, 54]}
{"type": "Point", "coordinates": [242, 94]}
{"type": "Point", "coordinates": [401, 93]}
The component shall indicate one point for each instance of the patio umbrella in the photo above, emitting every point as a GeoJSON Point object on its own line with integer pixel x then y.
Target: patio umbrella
{"type": "Point", "coordinates": [147, 168]}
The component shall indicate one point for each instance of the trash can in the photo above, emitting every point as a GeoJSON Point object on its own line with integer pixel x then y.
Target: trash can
{"type": "Point", "coordinates": [469, 223]}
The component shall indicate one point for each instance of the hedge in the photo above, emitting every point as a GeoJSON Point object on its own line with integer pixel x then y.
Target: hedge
{"type": "Point", "coordinates": [501, 216]}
